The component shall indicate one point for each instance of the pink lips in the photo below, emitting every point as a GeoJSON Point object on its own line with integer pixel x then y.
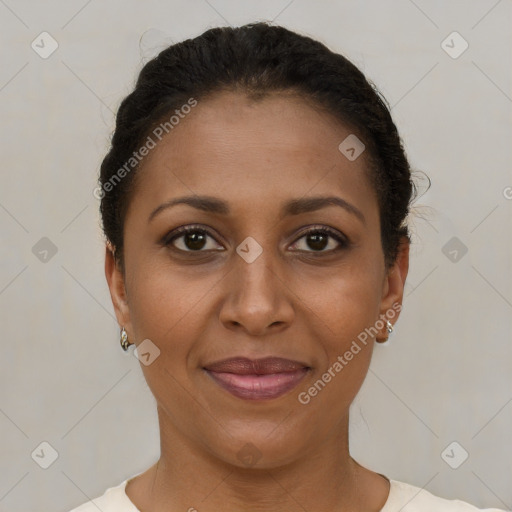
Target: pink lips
{"type": "Point", "coordinates": [259, 379]}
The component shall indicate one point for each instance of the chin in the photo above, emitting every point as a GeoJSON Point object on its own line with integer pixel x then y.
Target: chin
{"type": "Point", "coordinates": [255, 448]}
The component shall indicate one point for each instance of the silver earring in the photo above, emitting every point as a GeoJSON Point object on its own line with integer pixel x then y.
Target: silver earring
{"type": "Point", "coordinates": [124, 339]}
{"type": "Point", "coordinates": [389, 328]}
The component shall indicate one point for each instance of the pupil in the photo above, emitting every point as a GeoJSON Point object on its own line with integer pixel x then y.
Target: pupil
{"type": "Point", "coordinates": [317, 241]}
{"type": "Point", "coordinates": [195, 240]}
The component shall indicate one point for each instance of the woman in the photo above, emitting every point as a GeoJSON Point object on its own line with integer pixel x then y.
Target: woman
{"type": "Point", "coordinates": [254, 203]}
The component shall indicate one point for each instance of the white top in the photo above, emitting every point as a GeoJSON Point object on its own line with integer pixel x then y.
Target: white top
{"type": "Point", "coordinates": [402, 498]}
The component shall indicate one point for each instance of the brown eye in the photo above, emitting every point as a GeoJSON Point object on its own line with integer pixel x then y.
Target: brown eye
{"type": "Point", "coordinates": [318, 240]}
{"type": "Point", "coordinates": [191, 239]}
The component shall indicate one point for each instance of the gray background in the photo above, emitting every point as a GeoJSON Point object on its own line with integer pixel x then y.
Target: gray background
{"type": "Point", "coordinates": [445, 375]}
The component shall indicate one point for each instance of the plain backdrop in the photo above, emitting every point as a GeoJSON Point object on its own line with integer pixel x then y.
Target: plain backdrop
{"type": "Point", "coordinates": [68, 392]}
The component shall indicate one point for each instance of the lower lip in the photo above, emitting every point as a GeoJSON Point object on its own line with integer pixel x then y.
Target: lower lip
{"type": "Point", "coordinates": [258, 387]}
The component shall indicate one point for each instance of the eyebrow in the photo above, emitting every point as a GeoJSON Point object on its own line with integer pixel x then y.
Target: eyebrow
{"type": "Point", "coordinates": [293, 207]}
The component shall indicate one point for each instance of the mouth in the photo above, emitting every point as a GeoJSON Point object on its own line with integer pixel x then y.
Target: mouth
{"type": "Point", "coordinates": [259, 379]}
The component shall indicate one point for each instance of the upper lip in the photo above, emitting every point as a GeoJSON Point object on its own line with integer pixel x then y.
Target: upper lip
{"type": "Point", "coordinates": [264, 366]}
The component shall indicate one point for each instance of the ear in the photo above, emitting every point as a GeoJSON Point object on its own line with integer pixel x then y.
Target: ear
{"type": "Point", "coordinates": [115, 280]}
{"type": "Point", "coordinates": [393, 286]}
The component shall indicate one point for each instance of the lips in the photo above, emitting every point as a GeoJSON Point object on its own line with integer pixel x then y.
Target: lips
{"type": "Point", "coordinates": [245, 366]}
{"type": "Point", "coordinates": [259, 379]}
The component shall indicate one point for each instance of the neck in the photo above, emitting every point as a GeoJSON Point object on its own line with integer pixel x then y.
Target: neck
{"type": "Point", "coordinates": [189, 477]}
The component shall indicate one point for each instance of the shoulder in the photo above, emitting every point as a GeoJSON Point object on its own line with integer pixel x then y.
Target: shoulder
{"type": "Point", "coordinates": [114, 499]}
{"type": "Point", "coordinates": [409, 498]}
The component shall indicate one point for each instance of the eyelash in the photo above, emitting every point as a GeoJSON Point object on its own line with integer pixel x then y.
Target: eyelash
{"type": "Point", "coordinates": [184, 230]}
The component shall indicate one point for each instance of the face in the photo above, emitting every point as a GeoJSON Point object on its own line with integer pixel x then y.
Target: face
{"type": "Point", "coordinates": [264, 271]}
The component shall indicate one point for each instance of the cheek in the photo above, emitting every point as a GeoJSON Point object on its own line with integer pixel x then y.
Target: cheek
{"type": "Point", "coordinates": [165, 300]}
{"type": "Point", "coordinates": [166, 309]}
{"type": "Point", "coordinates": [346, 299]}
{"type": "Point", "coordinates": [344, 349]}
{"type": "Point", "coordinates": [343, 309]}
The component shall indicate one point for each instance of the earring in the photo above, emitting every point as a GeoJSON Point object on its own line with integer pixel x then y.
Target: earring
{"type": "Point", "coordinates": [389, 328]}
{"type": "Point", "coordinates": [124, 339]}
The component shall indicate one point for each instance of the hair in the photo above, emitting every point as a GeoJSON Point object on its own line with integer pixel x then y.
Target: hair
{"type": "Point", "coordinates": [258, 59]}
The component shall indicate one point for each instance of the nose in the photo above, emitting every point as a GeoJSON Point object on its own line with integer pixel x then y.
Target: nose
{"type": "Point", "coordinates": [257, 299]}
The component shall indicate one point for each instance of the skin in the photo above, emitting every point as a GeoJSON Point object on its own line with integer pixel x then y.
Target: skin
{"type": "Point", "coordinates": [295, 300]}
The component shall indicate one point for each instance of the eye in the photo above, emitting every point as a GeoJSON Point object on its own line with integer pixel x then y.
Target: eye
{"type": "Point", "coordinates": [190, 239]}
{"type": "Point", "coordinates": [195, 239]}
{"type": "Point", "coordinates": [318, 239]}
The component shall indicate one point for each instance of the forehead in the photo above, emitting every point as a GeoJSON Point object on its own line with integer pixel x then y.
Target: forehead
{"type": "Point", "coordinates": [239, 149]}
